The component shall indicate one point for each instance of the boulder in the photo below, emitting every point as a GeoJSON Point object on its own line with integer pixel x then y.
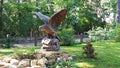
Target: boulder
{"type": "Point", "coordinates": [70, 58]}
{"type": "Point", "coordinates": [2, 64]}
{"type": "Point", "coordinates": [29, 67]}
{"type": "Point", "coordinates": [52, 60]}
{"type": "Point", "coordinates": [59, 59]}
{"type": "Point", "coordinates": [24, 63]}
{"type": "Point", "coordinates": [34, 62]}
{"type": "Point", "coordinates": [48, 53]}
{"type": "Point", "coordinates": [12, 66]}
{"type": "Point", "coordinates": [39, 55]}
{"type": "Point", "coordinates": [39, 66]}
{"type": "Point", "coordinates": [1, 58]}
{"type": "Point", "coordinates": [7, 59]}
{"type": "Point", "coordinates": [14, 61]}
{"type": "Point", "coordinates": [6, 65]}
{"type": "Point", "coordinates": [41, 62]}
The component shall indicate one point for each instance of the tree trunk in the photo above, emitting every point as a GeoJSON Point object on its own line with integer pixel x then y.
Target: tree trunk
{"type": "Point", "coordinates": [31, 35]}
{"type": "Point", "coordinates": [35, 38]}
{"type": "Point", "coordinates": [118, 20]}
{"type": "Point", "coordinates": [37, 5]}
{"type": "Point", "coordinates": [81, 37]}
{"type": "Point", "coordinates": [1, 11]}
{"type": "Point", "coordinates": [19, 13]}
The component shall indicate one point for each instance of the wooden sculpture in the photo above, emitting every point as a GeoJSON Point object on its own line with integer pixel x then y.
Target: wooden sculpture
{"type": "Point", "coordinates": [51, 25]}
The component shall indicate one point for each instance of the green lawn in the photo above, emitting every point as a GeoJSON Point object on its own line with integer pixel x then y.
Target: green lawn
{"type": "Point", "coordinates": [108, 54]}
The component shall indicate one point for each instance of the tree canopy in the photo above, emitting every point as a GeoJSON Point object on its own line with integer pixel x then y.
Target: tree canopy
{"type": "Point", "coordinates": [18, 18]}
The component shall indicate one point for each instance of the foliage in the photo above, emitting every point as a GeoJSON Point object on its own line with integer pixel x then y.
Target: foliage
{"type": "Point", "coordinates": [6, 42]}
{"type": "Point", "coordinates": [84, 18]}
{"type": "Point", "coordinates": [117, 33]}
{"type": "Point", "coordinates": [19, 19]}
{"type": "Point", "coordinates": [101, 34]}
{"type": "Point", "coordinates": [24, 54]}
{"type": "Point", "coordinates": [66, 36]}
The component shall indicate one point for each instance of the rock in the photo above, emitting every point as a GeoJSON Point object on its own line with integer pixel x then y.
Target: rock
{"type": "Point", "coordinates": [14, 61]}
{"type": "Point", "coordinates": [59, 59]}
{"type": "Point", "coordinates": [24, 63]}
{"type": "Point", "coordinates": [70, 58]}
{"type": "Point", "coordinates": [44, 66]}
{"type": "Point", "coordinates": [51, 60]}
{"type": "Point", "coordinates": [41, 62]}
{"type": "Point", "coordinates": [65, 55]}
{"type": "Point", "coordinates": [48, 53]}
{"type": "Point", "coordinates": [12, 66]}
{"type": "Point", "coordinates": [1, 58]}
{"type": "Point", "coordinates": [39, 55]}
{"type": "Point", "coordinates": [6, 65]}
{"type": "Point", "coordinates": [34, 62]}
{"type": "Point", "coordinates": [39, 67]}
{"type": "Point", "coordinates": [2, 64]}
{"type": "Point", "coordinates": [7, 59]}
{"type": "Point", "coordinates": [29, 67]}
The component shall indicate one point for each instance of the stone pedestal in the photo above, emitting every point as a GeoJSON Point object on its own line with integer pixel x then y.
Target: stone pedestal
{"type": "Point", "coordinates": [50, 44]}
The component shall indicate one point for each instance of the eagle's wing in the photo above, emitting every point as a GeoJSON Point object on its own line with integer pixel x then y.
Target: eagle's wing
{"type": "Point", "coordinates": [57, 18]}
{"type": "Point", "coordinates": [47, 29]}
{"type": "Point", "coordinates": [44, 18]}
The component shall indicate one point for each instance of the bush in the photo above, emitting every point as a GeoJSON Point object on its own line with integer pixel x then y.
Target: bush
{"type": "Point", "coordinates": [111, 34]}
{"type": "Point", "coordinates": [6, 42]}
{"type": "Point", "coordinates": [29, 54]}
{"type": "Point", "coordinates": [101, 34]}
{"type": "Point", "coordinates": [66, 36]}
{"type": "Point", "coordinates": [97, 34]}
{"type": "Point", "coordinates": [117, 33]}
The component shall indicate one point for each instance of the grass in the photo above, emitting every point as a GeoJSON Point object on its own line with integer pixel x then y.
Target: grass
{"type": "Point", "coordinates": [108, 54]}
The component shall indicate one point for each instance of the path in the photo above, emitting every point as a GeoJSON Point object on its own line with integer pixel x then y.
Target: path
{"type": "Point", "coordinates": [39, 43]}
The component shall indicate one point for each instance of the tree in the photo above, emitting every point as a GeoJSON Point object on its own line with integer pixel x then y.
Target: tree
{"type": "Point", "coordinates": [1, 11]}
{"type": "Point", "coordinates": [81, 16]}
{"type": "Point", "coordinates": [118, 11]}
{"type": "Point", "coordinates": [19, 18]}
{"type": "Point", "coordinates": [84, 17]}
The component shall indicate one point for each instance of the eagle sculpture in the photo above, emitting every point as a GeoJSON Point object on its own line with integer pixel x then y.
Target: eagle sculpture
{"type": "Point", "coordinates": [52, 23]}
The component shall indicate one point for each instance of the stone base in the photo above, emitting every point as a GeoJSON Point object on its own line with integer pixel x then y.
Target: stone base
{"type": "Point", "coordinates": [54, 56]}
{"type": "Point", "coordinates": [42, 60]}
{"type": "Point", "coordinates": [50, 53]}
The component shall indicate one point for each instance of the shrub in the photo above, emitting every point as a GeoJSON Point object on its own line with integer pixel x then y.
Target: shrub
{"type": "Point", "coordinates": [66, 36]}
{"type": "Point", "coordinates": [97, 34]}
{"type": "Point", "coordinates": [6, 42]}
{"type": "Point", "coordinates": [27, 54]}
{"type": "Point", "coordinates": [111, 34]}
{"type": "Point", "coordinates": [101, 34]}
